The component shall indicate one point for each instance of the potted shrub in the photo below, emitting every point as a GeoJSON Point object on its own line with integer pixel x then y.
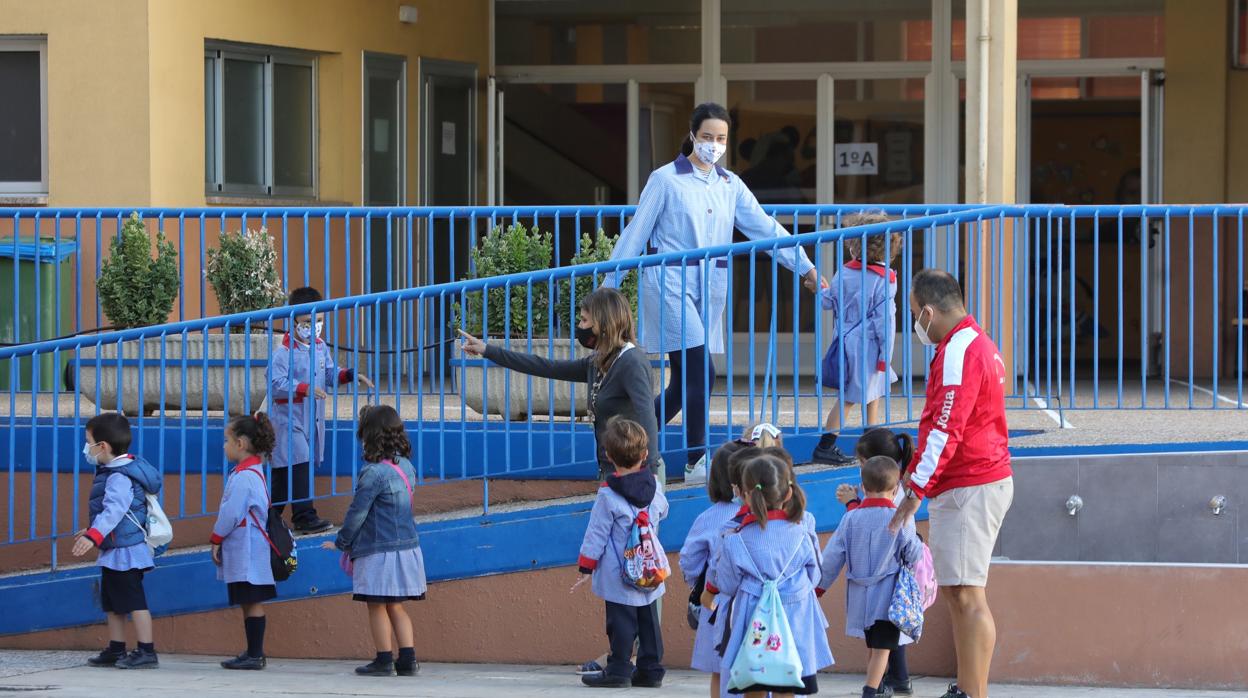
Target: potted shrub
{"type": "Point", "coordinates": [513, 250]}
{"type": "Point", "coordinates": [138, 289]}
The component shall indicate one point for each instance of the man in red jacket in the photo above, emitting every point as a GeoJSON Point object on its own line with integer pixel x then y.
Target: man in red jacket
{"type": "Point", "coordinates": [962, 463]}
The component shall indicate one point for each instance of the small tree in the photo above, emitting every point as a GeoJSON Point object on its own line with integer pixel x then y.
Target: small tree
{"type": "Point", "coordinates": [136, 290]}
{"type": "Point", "coordinates": [597, 248]}
{"type": "Point", "coordinates": [510, 251]}
{"type": "Point", "coordinates": [242, 271]}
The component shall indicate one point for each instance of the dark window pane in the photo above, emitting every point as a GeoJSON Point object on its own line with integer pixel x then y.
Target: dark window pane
{"type": "Point", "coordinates": [292, 125]}
{"type": "Point", "coordinates": [244, 122]}
{"type": "Point", "coordinates": [21, 136]}
{"type": "Point", "coordinates": [210, 121]}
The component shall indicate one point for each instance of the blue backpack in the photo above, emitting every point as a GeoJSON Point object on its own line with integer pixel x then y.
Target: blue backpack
{"type": "Point", "coordinates": [768, 655]}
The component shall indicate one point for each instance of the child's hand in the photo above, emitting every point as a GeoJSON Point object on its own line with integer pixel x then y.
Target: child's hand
{"type": "Point", "coordinates": [329, 545]}
{"type": "Point", "coordinates": [363, 380]}
{"type": "Point", "coordinates": [846, 493]}
{"type": "Point", "coordinates": [584, 578]}
{"type": "Point", "coordinates": [82, 545]}
{"type": "Point", "coordinates": [320, 394]}
{"type": "Point", "coordinates": [708, 600]}
{"type": "Point", "coordinates": [216, 554]}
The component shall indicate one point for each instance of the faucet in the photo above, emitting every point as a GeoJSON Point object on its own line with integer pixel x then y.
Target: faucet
{"type": "Point", "coordinates": [1217, 505]}
{"type": "Point", "coordinates": [1074, 504]}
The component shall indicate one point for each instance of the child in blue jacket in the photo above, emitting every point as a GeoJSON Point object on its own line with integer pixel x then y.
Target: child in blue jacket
{"type": "Point", "coordinates": [299, 374]}
{"type": "Point", "coordinates": [632, 613]}
{"type": "Point", "coordinates": [118, 509]}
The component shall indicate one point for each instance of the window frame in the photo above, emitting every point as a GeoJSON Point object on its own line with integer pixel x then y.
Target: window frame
{"type": "Point", "coordinates": [1239, 34]}
{"type": "Point", "coordinates": [219, 53]}
{"type": "Point", "coordinates": [37, 44]}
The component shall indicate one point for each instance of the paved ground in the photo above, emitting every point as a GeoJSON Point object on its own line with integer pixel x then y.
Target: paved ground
{"type": "Point", "coordinates": [63, 674]}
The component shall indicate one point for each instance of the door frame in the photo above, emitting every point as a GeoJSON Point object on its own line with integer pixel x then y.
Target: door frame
{"type": "Point", "coordinates": [374, 63]}
{"type": "Point", "coordinates": [429, 69]}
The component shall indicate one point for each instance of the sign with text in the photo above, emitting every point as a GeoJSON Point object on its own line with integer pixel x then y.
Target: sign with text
{"type": "Point", "coordinates": [857, 158]}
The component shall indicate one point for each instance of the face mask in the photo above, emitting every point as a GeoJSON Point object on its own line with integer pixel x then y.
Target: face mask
{"type": "Point", "coordinates": [305, 331]}
{"type": "Point", "coordinates": [86, 452]}
{"type": "Point", "coordinates": [709, 153]}
{"type": "Point", "coordinates": [586, 337]}
{"type": "Point", "coordinates": [921, 332]}
{"type": "Point", "coordinates": [737, 501]}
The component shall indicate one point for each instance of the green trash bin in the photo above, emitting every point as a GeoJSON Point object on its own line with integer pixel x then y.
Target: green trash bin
{"type": "Point", "coordinates": [36, 293]}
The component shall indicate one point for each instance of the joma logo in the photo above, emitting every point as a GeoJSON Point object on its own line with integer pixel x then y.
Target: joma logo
{"type": "Point", "coordinates": [945, 408]}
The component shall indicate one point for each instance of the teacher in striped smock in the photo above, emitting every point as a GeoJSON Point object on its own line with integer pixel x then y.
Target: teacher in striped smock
{"type": "Point", "coordinates": [689, 204]}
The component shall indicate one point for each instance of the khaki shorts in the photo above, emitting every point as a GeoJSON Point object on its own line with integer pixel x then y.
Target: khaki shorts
{"type": "Point", "coordinates": [964, 523]}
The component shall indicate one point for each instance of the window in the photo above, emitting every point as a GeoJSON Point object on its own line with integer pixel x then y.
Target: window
{"type": "Point", "coordinates": [23, 116]}
{"type": "Point", "coordinates": [259, 122]}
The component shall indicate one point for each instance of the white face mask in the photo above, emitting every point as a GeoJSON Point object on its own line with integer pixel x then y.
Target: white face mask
{"type": "Point", "coordinates": [305, 331]}
{"type": "Point", "coordinates": [709, 152]}
{"type": "Point", "coordinates": [86, 452]}
{"type": "Point", "coordinates": [920, 331]}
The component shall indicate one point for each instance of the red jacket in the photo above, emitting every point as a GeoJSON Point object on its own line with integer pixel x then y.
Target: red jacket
{"type": "Point", "coordinates": [963, 438]}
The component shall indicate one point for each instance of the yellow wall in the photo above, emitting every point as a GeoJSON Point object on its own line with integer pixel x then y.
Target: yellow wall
{"type": "Point", "coordinates": [98, 151]}
{"type": "Point", "coordinates": [342, 30]}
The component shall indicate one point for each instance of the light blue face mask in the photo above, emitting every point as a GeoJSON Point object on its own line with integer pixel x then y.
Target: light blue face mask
{"type": "Point", "coordinates": [737, 501]}
{"type": "Point", "coordinates": [86, 452]}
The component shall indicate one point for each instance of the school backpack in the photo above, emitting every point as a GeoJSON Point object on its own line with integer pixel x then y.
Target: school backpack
{"type": "Point", "coordinates": [644, 564]}
{"type": "Point", "coordinates": [158, 532]}
{"type": "Point", "coordinates": [925, 575]}
{"type": "Point", "coordinates": [768, 655]}
{"type": "Point", "coordinates": [283, 553]}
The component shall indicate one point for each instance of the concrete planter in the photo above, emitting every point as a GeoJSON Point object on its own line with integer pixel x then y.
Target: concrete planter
{"type": "Point", "coordinates": [512, 394]}
{"type": "Point", "coordinates": [247, 359]}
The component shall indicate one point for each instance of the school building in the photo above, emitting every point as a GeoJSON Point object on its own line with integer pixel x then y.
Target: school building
{"type": "Point", "coordinates": [536, 102]}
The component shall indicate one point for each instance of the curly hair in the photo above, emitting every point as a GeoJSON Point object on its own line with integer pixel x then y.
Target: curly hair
{"type": "Point", "coordinates": [382, 434]}
{"type": "Point", "coordinates": [881, 249]}
{"type": "Point", "coordinates": [258, 430]}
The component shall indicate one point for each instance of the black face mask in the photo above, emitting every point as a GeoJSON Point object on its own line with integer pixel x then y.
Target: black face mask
{"type": "Point", "coordinates": [586, 337]}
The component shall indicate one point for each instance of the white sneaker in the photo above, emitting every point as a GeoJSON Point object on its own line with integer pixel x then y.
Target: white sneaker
{"type": "Point", "coordinates": [696, 473]}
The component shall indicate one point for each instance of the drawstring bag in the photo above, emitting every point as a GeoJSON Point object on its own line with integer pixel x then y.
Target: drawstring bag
{"type": "Point", "coordinates": [644, 564]}
{"type": "Point", "coordinates": [906, 609]}
{"type": "Point", "coordinates": [158, 532]}
{"type": "Point", "coordinates": [768, 655]}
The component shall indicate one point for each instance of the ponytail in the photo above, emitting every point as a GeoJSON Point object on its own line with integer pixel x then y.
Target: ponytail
{"type": "Point", "coordinates": [905, 451]}
{"type": "Point", "coordinates": [258, 430]}
{"type": "Point", "coordinates": [795, 506]}
{"type": "Point", "coordinates": [765, 483]}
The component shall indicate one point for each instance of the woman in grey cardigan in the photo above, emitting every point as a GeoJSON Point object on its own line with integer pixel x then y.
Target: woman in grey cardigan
{"type": "Point", "coordinates": [618, 372]}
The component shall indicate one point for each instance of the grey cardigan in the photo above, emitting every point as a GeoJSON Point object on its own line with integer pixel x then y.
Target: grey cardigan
{"type": "Point", "coordinates": [625, 391]}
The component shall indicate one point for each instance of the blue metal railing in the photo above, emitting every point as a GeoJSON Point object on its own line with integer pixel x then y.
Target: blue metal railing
{"type": "Point", "coordinates": [1023, 268]}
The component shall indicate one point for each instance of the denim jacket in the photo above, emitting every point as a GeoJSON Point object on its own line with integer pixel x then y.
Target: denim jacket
{"type": "Point", "coordinates": [380, 517]}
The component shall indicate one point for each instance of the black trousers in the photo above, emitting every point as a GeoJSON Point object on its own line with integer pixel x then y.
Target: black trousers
{"type": "Point", "coordinates": [692, 372]}
{"type": "Point", "coordinates": [626, 624]}
{"type": "Point", "coordinates": [301, 508]}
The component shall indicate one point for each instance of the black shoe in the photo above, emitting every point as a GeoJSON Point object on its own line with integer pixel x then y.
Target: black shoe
{"type": "Point", "coordinates": [407, 668]}
{"type": "Point", "coordinates": [604, 680]}
{"type": "Point", "coordinates": [831, 456]}
{"type": "Point", "coordinates": [313, 525]}
{"type": "Point", "coordinates": [641, 680]}
{"type": "Point", "coordinates": [106, 658]}
{"type": "Point", "coordinates": [590, 667]}
{"type": "Point", "coordinates": [138, 659]}
{"type": "Point", "coordinates": [954, 692]}
{"type": "Point", "coordinates": [900, 688]}
{"type": "Point", "coordinates": [376, 668]}
{"type": "Point", "coordinates": [245, 662]}
{"type": "Point", "coordinates": [884, 691]}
